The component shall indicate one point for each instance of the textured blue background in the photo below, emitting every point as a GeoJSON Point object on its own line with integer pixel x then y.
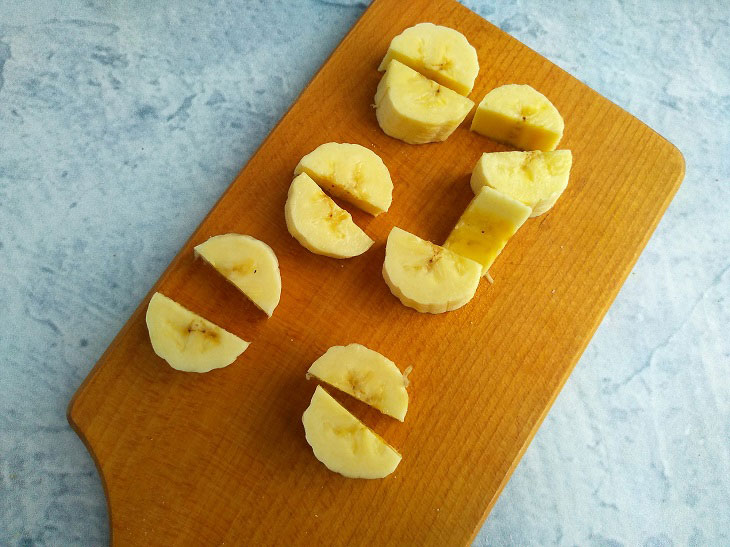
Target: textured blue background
{"type": "Point", "coordinates": [122, 122]}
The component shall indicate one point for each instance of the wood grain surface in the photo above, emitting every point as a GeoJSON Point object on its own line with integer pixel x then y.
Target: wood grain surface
{"type": "Point", "coordinates": [221, 458]}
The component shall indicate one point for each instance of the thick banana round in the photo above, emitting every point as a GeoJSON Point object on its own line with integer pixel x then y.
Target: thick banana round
{"type": "Point", "coordinates": [186, 340]}
{"type": "Point", "coordinates": [426, 277]}
{"type": "Point", "coordinates": [343, 443]}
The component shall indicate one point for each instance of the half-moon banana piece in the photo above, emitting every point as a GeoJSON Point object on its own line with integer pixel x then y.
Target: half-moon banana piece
{"type": "Point", "coordinates": [248, 263]}
{"type": "Point", "coordinates": [343, 443]}
{"type": "Point", "coordinates": [187, 341]}
{"type": "Point", "coordinates": [366, 375]}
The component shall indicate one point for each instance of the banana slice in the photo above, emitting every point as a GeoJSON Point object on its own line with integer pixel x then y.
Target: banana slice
{"type": "Point", "coordinates": [343, 443]}
{"type": "Point", "coordinates": [350, 172]}
{"type": "Point", "coordinates": [366, 375]}
{"type": "Point", "coordinates": [426, 277]}
{"type": "Point", "coordinates": [521, 116]}
{"type": "Point", "coordinates": [187, 341]}
{"type": "Point", "coordinates": [485, 226]}
{"type": "Point", "coordinates": [414, 109]}
{"type": "Point", "coordinates": [535, 178]}
{"type": "Point", "coordinates": [249, 264]}
{"type": "Point", "coordinates": [439, 53]}
{"type": "Point", "coordinates": [319, 224]}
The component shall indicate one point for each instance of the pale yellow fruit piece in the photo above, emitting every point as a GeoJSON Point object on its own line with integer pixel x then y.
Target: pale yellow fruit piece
{"type": "Point", "coordinates": [343, 443]}
{"type": "Point", "coordinates": [350, 172]}
{"type": "Point", "coordinates": [366, 375]}
{"type": "Point", "coordinates": [521, 116]}
{"type": "Point", "coordinates": [414, 109]}
{"type": "Point", "coordinates": [535, 178]}
{"type": "Point", "coordinates": [249, 264]}
{"type": "Point", "coordinates": [319, 224]}
{"type": "Point", "coordinates": [439, 53]}
{"type": "Point", "coordinates": [486, 225]}
{"type": "Point", "coordinates": [187, 341]}
{"type": "Point", "coordinates": [426, 277]}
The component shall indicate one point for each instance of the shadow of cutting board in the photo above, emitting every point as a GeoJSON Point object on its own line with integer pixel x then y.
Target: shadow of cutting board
{"type": "Point", "coordinates": [221, 458]}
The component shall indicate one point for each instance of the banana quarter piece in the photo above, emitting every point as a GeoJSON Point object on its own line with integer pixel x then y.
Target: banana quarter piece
{"type": "Point", "coordinates": [414, 109]}
{"type": "Point", "coordinates": [521, 116]}
{"type": "Point", "coordinates": [535, 178]}
{"type": "Point", "coordinates": [486, 225]}
{"type": "Point", "coordinates": [249, 264]}
{"type": "Point", "coordinates": [426, 277]}
{"type": "Point", "coordinates": [319, 224]}
{"type": "Point", "coordinates": [350, 172]}
{"type": "Point", "coordinates": [187, 341]}
{"type": "Point", "coordinates": [343, 443]}
{"type": "Point", "coordinates": [439, 53]}
{"type": "Point", "coordinates": [366, 375]}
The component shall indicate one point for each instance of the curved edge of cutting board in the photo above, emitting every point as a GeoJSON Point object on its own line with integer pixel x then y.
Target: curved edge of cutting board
{"type": "Point", "coordinates": [90, 448]}
{"type": "Point", "coordinates": [74, 413]}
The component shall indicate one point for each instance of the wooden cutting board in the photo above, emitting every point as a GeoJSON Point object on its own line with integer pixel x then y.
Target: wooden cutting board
{"type": "Point", "coordinates": [220, 458]}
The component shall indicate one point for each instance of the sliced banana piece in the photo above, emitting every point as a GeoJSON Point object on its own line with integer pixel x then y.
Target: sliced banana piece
{"type": "Point", "coordinates": [249, 264]}
{"type": "Point", "coordinates": [343, 443]}
{"type": "Point", "coordinates": [535, 178]}
{"type": "Point", "coordinates": [486, 225]}
{"type": "Point", "coordinates": [366, 375]}
{"type": "Point", "coordinates": [350, 172]}
{"type": "Point", "coordinates": [187, 341]}
{"type": "Point", "coordinates": [426, 277]}
{"type": "Point", "coordinates": [439, 53]}
{"type": "Point", "coordinates": [319, 224]}
{"type": "Point", "coordinates": [414, 109]}
{"type": "Point", "coordinates": [521, 116]}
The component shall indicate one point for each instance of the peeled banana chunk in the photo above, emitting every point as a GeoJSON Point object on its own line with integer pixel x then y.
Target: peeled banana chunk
{"type": "Point", "coordinates": [427, 277]}
{"type": "Point", "coordinates": [486, 225]}
{"type": "Point", "coordinates": [250, 264]}
{"type": "Point", "coordinates": [187, 341]}
{"type": "Point", "coordinates": [319, 224]}
{"type": "Point", "coordinates": [439, 53]}
{"type": "Point", "coordinates": [416, 110]}
{"type": "Point", "coordinates": [521, 116]}
{"type": "Point", "coordinates": [343, 443]}
{"type": "Point", "coordinates": [351, 172]}
{"type": "Point", "coordinates": [534, 178]}
{"type": "Point", "coordinates": [366, 375]}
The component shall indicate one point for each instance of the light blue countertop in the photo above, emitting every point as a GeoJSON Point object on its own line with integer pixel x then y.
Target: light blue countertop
{"type": "Point", "coordinates": [122, 122]}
